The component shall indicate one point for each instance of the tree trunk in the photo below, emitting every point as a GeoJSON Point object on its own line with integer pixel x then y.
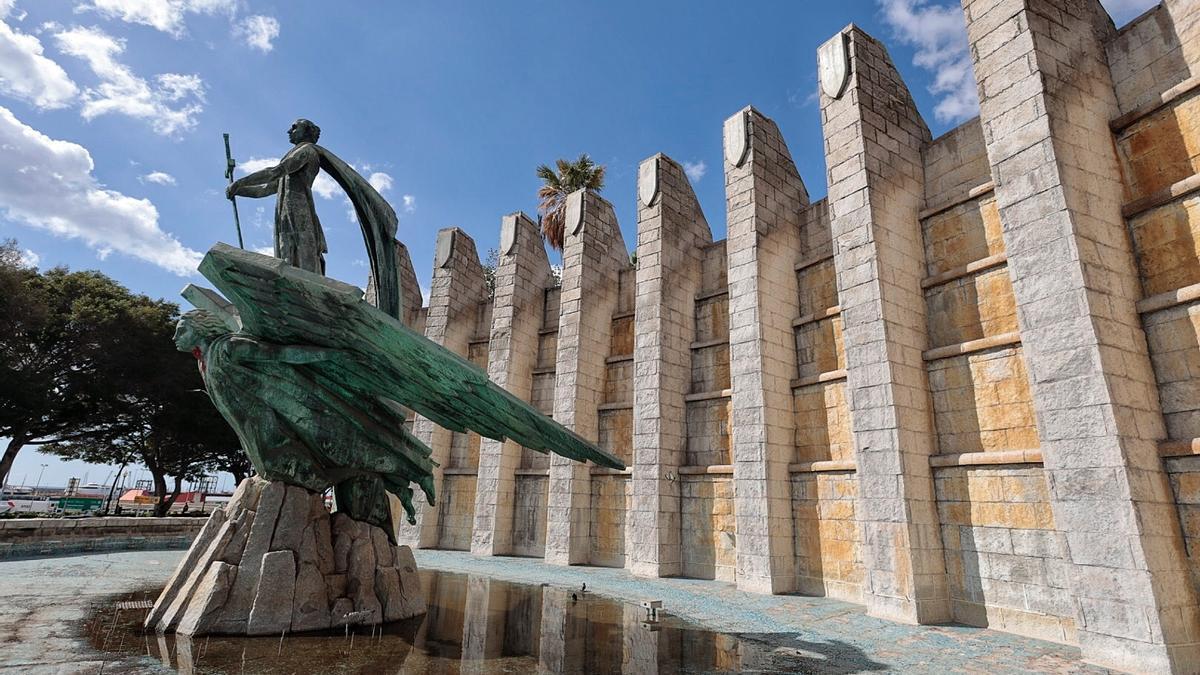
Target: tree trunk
{"type": "Point", "coordinates": [160, 492]}
{"type": "Point", "coordinates": [113, 488]}
{"type": "Point", "coordinates": [238, 476]}
{"type": "Point", "coordinates": [10, 455]}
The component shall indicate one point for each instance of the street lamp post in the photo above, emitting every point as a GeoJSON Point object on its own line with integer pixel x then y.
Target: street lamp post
{"type": "Point", "coordinates": [38, 486]}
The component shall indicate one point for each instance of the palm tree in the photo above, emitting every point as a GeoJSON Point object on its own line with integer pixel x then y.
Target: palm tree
{"type": "Point", "coordinates": [581, 174]}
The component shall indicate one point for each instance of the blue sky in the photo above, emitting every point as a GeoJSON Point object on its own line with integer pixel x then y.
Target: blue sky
{"type": "Point", "coordinates": [114, 109]}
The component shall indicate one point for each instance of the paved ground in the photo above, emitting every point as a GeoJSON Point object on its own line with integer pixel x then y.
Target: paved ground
{"type": "Point", "coordinates": [43, 603]}
{"type": "Point", "coordinates": [827, 631]}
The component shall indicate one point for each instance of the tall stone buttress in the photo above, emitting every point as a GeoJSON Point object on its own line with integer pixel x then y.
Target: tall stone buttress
{"type": "Point", "coordinates": [873, 141]}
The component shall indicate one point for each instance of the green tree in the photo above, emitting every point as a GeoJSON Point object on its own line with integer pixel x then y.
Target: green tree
{"type": "Point", "coordinates": [490, 263]}
{"type": "Point", "coordinates": [161, 416]}
{"type": "Point", "coordinates": [56, 367]}
{"type": "Point", "coordinates": [568, 177]}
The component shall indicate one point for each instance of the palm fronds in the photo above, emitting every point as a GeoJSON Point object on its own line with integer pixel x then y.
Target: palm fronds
{"type": "Point", "coordinates": [565, 178]}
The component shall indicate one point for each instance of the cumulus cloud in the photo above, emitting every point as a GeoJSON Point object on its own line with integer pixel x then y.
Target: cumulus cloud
{"type": "Point", "coordinates": [380, 181]}
{"type": "Point", "coordinates": [324, 186]}
{"type": "Point", "coordinates": [28, 75]}
{"type": "Point", "coordinates": [158, 178]}
{"type": "Point", "coordinates": [410, 203]}
{"type": "Point", "coordinates": [938, 33]}
{"type": "Point", "coordinates": [48, 184]}
{"type": "Point", "coordinates": [695, 170]}
{"type": "Point", "coordinates": [258, 32]}
{"type": "Point", "coordinates": [170, 105]}
{"type": "Point", "coordinates": [30, 259]}
{"type": "Point", "coordinates": [164, 15]}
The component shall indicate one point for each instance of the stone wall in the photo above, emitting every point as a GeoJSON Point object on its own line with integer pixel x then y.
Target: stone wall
{"type": "Point", "coordinates": [1155, 65]}
{"type": "Point", "coordinates": [36, 537]}
{"type": "Point", "coordinates": [965, 386]}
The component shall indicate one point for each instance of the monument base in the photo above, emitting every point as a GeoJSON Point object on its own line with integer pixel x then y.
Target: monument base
{"type": "Point", "coordinates": [274, 560]}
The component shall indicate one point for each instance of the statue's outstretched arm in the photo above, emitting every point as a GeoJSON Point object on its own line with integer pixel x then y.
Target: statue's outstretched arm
{"type": "Point", "coordinates": [265, 182]}
{"type": "Point", "coordinates": [256, 190]}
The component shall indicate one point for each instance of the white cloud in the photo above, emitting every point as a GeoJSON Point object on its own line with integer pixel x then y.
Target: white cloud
{"type": "Point", "coordinates": [258, 32]}
{"type": "Point", "coordinates": [938, 33]}
{"type": "Point", "coordinates": [695, 170]}
{"type": "Point", "coordinates": [158, 178]}
{"type": "Point", "coordinates": [269, 249]}
{"type": "Point", "coordinates": [171, 105]}
{"type": "Point", "coordinates": [26, 74]}
{"type": "Point", "coordinates": [30, 259]}
{"type": "Point", "coordinates": [380, 181]}
{"type": "Point", "coordinates": [48, 184]}
{"type": "Point", "coordinates": [324, 186]}
{"type": "Point", "coordinates": [164, 15]}
{"type": "Point", "coordinates": [410, 203]}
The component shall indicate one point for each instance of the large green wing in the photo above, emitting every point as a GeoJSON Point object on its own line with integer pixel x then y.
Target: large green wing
{"type": "Point", "coordinates": [289, 306]}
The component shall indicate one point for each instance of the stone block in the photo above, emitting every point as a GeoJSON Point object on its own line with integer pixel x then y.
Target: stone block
{"type": "Point", "coordinates": [262, 592]}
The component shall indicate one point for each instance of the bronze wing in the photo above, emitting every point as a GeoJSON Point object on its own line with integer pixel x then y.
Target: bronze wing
{"type": "Point", "coordinates": [388, 361]}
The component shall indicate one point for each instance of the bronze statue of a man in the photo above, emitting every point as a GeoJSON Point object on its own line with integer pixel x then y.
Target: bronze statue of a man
{"type": "Point", "coordinates": [298, 236]}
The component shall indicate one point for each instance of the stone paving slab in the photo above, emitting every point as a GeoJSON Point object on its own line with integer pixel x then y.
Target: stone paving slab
{"type": "Point", "coordinates": [43, 603]}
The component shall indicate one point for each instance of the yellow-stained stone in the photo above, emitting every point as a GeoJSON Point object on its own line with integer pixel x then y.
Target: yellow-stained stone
{"type": "Point", "coordinates": [971, 307]}
{"type": "Point", "coordinates": [982, 402]}
{"type": "Point", "coordinates": [818, 287]}
{"type": "Point", "coordinates": [457, 512]}
{"type": "Point", "coordinates": [819, 347]}
{"type": "Point", "coordinates": [1161, 149]}
{"type": "Point", "coordinates": [822, 421]}
{"type": "Point", "coordinates": [610, 503]}
{"type": "Point", "coordinates": [1167, 242]}
{"type": "Point", "coordinates": [961, 235]}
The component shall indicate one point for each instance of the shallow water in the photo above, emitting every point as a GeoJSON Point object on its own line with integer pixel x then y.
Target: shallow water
{"type": "Point", "coordinates": [474, 625]}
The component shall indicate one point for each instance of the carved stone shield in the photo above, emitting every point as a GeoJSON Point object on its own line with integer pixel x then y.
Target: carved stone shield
{"type": "Point", "coordinates": [737, 140]}
{"type": "Point", "coordinates": [833, 65]}
{"type": "Point", "coordinates": [574, 219]}
{"type": "Point", "coordinates": [508, 233]}
{"type": "Point", "coordinates": [648, 180]}
{"type": "Point", "coordinates": [445, 244]}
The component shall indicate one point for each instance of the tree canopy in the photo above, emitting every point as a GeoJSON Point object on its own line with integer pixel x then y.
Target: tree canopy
{"type": "Point", "coordinates": [565, 178]}
{"type": "Point", "coordinates": [89, 370]}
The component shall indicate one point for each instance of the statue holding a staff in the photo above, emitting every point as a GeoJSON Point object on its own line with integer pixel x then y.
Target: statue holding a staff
{"type": "Point", "coordinates": [299, 239]}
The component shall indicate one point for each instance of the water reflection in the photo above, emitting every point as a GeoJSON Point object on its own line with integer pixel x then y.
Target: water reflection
{"type": "Point", "coordinates": [474, 625]}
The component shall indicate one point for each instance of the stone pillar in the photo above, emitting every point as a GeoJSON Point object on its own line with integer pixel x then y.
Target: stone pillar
{"type": "Point", "coordinates": [455, 292]}
{"type": "Point", "coordinates": [1044, 85]}
{"type": "Point", "coordinates": [873, 140]}
{"type": "Point", "coordinates": [411, 301]}
{"type": "Point", "coordinates": [521, 278]}
{"type": "Point", "coordinates": [764, 197]}
{"type": "Point", "coordinates": [594, 254]}
{"type": "Point", "coordinates": [671, 231]}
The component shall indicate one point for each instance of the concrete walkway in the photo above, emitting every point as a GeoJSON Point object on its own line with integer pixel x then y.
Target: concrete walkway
{"type": "Point", "coordinates": [43, 604]}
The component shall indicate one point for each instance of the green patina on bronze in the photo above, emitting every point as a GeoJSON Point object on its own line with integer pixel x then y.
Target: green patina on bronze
{"type": "Point", "coordinates": [315, 382]}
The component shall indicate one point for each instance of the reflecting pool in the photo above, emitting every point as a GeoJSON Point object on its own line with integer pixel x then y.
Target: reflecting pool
{"type": "Point", "coordinates": [474, 625]}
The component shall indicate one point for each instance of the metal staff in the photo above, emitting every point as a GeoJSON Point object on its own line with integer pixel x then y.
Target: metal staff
{"type": "Point", "coordinates": [229, 165]}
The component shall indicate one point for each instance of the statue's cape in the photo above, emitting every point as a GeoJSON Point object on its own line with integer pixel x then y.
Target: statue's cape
{"type": "Point", "coordinates": [378, 221]}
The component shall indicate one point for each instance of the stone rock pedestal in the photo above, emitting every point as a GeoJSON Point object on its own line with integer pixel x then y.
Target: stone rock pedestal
{"type": "Point", "coordinates": [275, 560]}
